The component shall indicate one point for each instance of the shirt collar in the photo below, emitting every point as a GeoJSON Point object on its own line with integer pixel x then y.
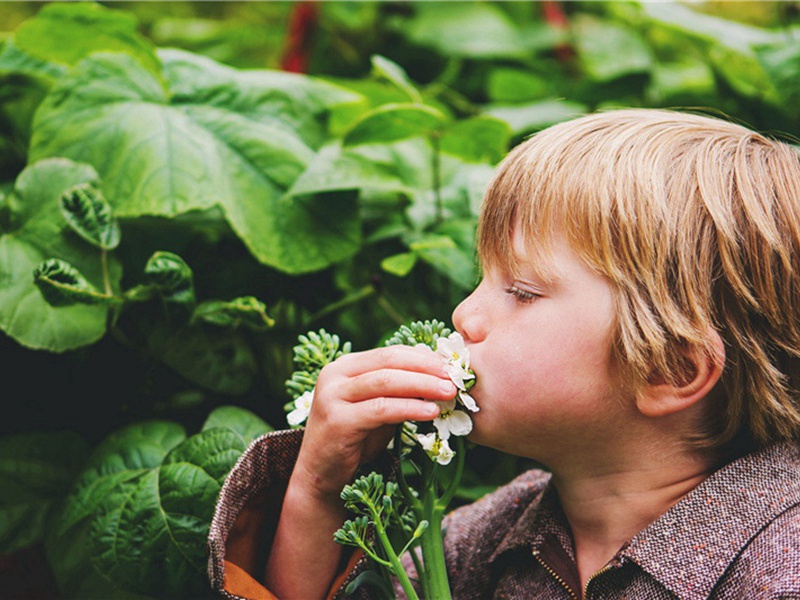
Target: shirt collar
{"type": "Point", "coordinates": [690, 546]}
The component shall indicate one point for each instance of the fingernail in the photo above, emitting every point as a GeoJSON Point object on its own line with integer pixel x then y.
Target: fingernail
{"type": "Point", "coordinates": [446, 386]}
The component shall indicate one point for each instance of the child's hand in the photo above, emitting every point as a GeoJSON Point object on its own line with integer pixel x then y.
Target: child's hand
{"type": "Point", "coordinates": [358, 400]}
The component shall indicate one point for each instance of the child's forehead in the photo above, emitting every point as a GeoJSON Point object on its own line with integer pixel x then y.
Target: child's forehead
{"type": "Point", "coordinates": [524, 256]}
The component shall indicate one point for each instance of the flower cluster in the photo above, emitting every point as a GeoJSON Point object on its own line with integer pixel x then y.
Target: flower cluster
{"type": "Point", "coordinates": [451, 420]}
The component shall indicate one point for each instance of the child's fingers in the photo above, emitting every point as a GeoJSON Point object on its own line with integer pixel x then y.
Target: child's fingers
{"type": "Point", "coordinates": [372, 414]}
{"type": "Point", "coordinates": [394, 383]}
{"type": "Point", "coordinates": [409, 358]}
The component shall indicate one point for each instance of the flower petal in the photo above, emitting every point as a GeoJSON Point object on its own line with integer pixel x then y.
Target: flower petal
{"type": "Point", "coordinates": [468, 401]}
{"type": "Point", "coordinates": [459, 423]}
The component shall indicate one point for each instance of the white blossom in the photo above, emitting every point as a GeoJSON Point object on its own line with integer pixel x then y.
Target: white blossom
{"type": "Point", "coordinates": [468, 401]}
{"type": "Point", "coordinates": [455, 351]}
{"type": "Point", "coordinates": [451, 421]}
{"type": "Point", "coordinates": [437, 448]}
{"type": "Point", "coordinates": [302, 408]}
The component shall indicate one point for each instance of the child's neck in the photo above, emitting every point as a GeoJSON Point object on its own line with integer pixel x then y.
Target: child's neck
{"type": "Point", "coordinates": [607, 508]}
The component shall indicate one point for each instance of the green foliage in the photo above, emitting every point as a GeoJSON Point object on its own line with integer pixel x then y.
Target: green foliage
{"type": "Point", "coordinates": [315, 350]}
{"type": "Point", "coordinates": [186, 219]}
{"type": "Point", "coordinates": [426, 332]}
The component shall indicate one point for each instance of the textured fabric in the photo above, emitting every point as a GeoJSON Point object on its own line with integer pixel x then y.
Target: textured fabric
{"type": "Point", "coordinates": [735, 536]}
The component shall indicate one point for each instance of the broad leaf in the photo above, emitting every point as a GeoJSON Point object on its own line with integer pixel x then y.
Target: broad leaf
{"type": "Point", "coordinates": [61, 284]}
{"type": "Point", "coordinates": [525, 118]}
{"type": "Point", "coordinates": [35, 231]}
{"type": "Point", "coordinates": [245, 312]}
{"type": "Point", "coordinates": [473, 30]}
{"type": "Point", "coordinates": [217, 359]}
{"type": "Point", "coordinates": [608, 50]}
{"type": "Point", "coordinates": [212, 136]}
{"type": "Point", "coordinates": [240, 420]}
{"type": "Point", "coordinates": [172, 276]}
{"type": "Point", "coordinates": [384, 68]}
{"type": "Point", "coordinates": [516, 85]}
{"type": "Point", "coordinates": [399, 264]}
{"type": "Point", "coordinates": [394, 122]}
{"type": "Point", "coordinates": [89, 214]}
{"type": "Point", "coordinates": [151, 535]}
{"type": "Point", "coordinates": [479, 139]}
{"type": "Point", "coordinates": [36, 470]}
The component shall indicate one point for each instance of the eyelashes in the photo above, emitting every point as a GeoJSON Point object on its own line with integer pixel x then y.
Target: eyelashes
{"type": "Point", "coordinates": [520, 294]}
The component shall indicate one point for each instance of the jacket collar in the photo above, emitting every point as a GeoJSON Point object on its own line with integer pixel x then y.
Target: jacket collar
{"type": "Point", "coordinates": [690, 546]}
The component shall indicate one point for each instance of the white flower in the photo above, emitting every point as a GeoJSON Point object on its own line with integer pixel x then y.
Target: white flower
{"type": "Point", "coordinates": [408, 432]}
{"type": "Point", "coordinates": [437, 448]}
{"type": "Point", "coordinates": [451, 421]}
{"type": "Point", "coordinates": [468, 401]}
{"type": "Point", "coordinates": [302, 408]}
{"type": "Point", "coordinates": [456, 352]}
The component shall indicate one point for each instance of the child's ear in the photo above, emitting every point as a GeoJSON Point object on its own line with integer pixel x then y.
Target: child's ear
{"type": "Point", "coordinates": [659, 398]}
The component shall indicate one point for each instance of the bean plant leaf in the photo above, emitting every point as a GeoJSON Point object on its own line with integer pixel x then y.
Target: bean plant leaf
{"type": "Point", "coordinates": [61, 284]}
{"type": "Point", "coordinates": [172, 276]}
{"type": "Point", "coordinates": [242, 421]}
{"type": "Point", "coordinates": [247, 312]}
{"type": "Point", "coordinates": [202, 136]}
{"type": "Point", "coordinates": [393, 122]}
{"type": "Point", "coordinates": [36, 470]}
{"type": "Point", "coordinates": [89, 214]}
{"type": "Point", "coordinates": [34, 231]}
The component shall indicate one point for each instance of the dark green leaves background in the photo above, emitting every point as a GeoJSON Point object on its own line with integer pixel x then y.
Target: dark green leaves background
{"type": "Point", "coordinates": [175, 210]}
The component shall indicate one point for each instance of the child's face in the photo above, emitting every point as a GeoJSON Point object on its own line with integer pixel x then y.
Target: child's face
{"type": "Point", "coordinates": [542, 355]}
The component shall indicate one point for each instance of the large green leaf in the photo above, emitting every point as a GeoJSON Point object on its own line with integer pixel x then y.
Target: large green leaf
{"type": "Point", "coordinates": [608, 50]}
{"type": "Point", "coordinates": [211, 136]}
{"type": "Point", "coordinates": [36, 469]}
{"type": "Point", "coordinates": [218, 359]}
{"type": "Point", "coordinates": [150, 536]}
{"type": "Point", "coordinates": [393, 122]}
{"type": "Point", "coordinates": [144, 505]}
{"type": "Point", "coordinates": [240, 420]}
{"type": "Point", "coordinates": [64, 33]}
{"type": "Point", "coordinates": [35, 231]}
{"type": "Point", "coordinates": [467, 29]}
{"type": "Point", "coordinates": [525, 118]}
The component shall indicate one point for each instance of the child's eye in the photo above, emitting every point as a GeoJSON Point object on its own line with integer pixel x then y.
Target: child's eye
{"type": "Point", "coordinates": [520, 294]}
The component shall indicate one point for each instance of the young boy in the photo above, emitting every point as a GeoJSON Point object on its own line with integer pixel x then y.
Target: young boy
{"type": "Point", "coordinates": [635, 332]}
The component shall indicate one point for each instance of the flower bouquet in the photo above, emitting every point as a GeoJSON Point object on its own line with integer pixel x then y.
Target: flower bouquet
{"type": "Point", "coordinates": [393, 518]}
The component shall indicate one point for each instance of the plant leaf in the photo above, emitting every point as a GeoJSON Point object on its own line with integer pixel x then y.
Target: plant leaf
{"type": "Point", "coordinates": [393, 122]}
{"type": "Point", "coordinates": [482, 139]}
{"type": "Point", "coordinates": [384, 68]}
{"type": "Point", "coordinates": [172, 276]}
{"type": "Point", "coordinates": [149, 532]}
{"type": "Point", "coordinates": [399, 264]}
{"type": "Point", "coordinates": [242, 421]}
{"type": "Point", "coordinates": [524, 118]}
{"type": "Point", "coordinates": [39, 233]}
{"type": "Point", "coordinates": [246, 311]}
{"type": "Point", "coordinates": [36, 470]}
{"type": "Point", "coordinates": [89, 215]}
{"type": "Point", "coordinates": [63, 33]}
{"type": "Point", "coordinates": [61, 284]}
{"type": "Point", "coordinates": [204, 136]}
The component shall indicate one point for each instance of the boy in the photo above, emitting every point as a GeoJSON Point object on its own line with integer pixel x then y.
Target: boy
{"type": "Point", "coordinates": [635, 331]}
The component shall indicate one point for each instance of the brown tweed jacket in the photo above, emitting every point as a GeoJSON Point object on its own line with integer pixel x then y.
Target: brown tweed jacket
{"type": "Point", "coordinates": [735, 536]}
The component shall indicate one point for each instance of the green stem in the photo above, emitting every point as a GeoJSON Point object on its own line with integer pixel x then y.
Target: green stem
{"type": "Point", "coordinates": [436, 581]}
{"type": "Point", "coordinates": [106, 277]}
{"type": "Point", "coordinates": [396, 565]}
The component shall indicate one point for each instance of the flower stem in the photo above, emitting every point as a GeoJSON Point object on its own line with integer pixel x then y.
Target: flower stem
{"type": "Point", "coordinates": [436, 583]}
{"type": "Point", "coordinates": [396, 565]}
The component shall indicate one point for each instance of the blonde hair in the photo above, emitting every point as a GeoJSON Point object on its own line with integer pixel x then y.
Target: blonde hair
{"type": "Point", "coordinates": [695, 221]}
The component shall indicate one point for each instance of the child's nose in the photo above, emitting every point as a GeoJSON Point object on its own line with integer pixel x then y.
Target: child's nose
{"type": "Point", "coordinates": [469, 320]}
